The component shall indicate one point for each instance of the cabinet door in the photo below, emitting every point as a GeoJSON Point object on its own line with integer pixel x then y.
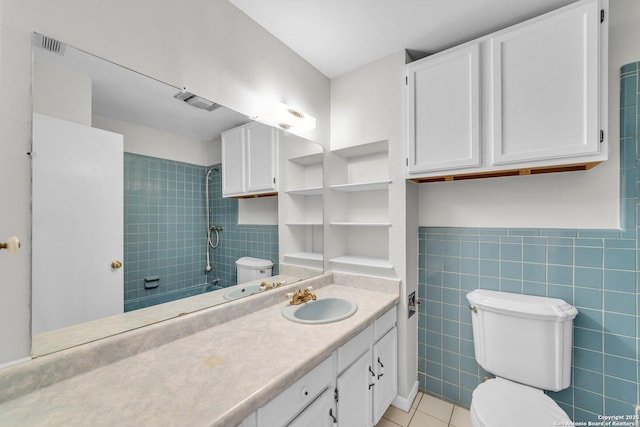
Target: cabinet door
{"type": "Point", "coordinates": [444, 111]}
{"type": "Point", "coordinates": [385, 360]}
{"type": "Point", "coordinates": [261, 158]}
{"type": "Point", "coordinates": [233, 159]}
{"type": "Point", "coordinates": [250, 421]}
{"type": "Point", "coordinates": [545, 87]}
{"type": "Point", "coordinates": [321, 413]}
{"type": "Point", "coordinates": [355, 393]}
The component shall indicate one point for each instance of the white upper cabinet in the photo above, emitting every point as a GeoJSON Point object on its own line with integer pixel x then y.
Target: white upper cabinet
{"type": "Point", "coordinates": [545, 85]}
{"type": "Point", "coordinates": [249, 161]}
{"type": "Point", "coordinates": [444, 110]}
{"type": "Point", "coordinates": [261, 158]}
{"type": "Point", "coordinates": [528, 99]}
{"type": "Point", "coordinates": [233, 164]}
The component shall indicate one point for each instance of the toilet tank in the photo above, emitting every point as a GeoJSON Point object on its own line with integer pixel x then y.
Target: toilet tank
{"type": "Point", "coordinates": [253, 269]}
{"type": "Point", "coordinates": [523, 338]}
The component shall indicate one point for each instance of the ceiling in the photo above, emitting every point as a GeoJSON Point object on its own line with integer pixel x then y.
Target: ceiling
{"type": "Point", "coordinates": [338, 36]}
{"type": "Point", "coordinates": [123, 94]}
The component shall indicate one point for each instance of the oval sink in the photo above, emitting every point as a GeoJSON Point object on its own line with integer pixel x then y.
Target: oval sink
{"type": "Point", "coordinates": [322, 310]}
{"type": "Point", "coordinates": [240, 291]}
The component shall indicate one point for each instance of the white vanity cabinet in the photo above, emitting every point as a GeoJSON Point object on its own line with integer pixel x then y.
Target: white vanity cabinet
{"type": "Point", "coordinates": [528, 99]}
{"type": "Point", "coordinates": [295, 400]}
{"type": "Point", "coordinates": [367, 379]}
{"type": "Point", "coordinates": [249, 160]}
{"type": "Point", "coordinates": [321, 413]}
{"type": "Point", "coordinates": [352, 388]}
{"type": "Point", "coordinates": [385, 361]}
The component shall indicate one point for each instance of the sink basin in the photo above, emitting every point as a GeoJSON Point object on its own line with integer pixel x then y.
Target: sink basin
{"type": "Point", "coordinates": [240, 291]}
{"type": "Point", "coordinates": [322, 310]}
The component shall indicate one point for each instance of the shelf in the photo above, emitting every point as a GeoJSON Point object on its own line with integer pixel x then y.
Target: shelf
{"type": "Point", "coordinates": [312, 191]}
{"type": "Point", "coordinates": [304, 224]}
{"type": "Point", "coordinates": [308, 159]}
{"type": "Point", "coordinates": [362, 186]}
{"type": "Point", "coordinates": [305, 256]}
{"type": "Point", "coordinates": [360, 224]}
{"type": "Point", "coordinates": [363, 149]}
{"type": "Point", "coordinates": [358, 261]}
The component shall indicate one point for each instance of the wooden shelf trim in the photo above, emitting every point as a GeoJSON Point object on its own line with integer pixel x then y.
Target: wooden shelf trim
{"type": "Point", "coordinates": [255, 196]}
{"type": "Point", "coordinates": [509, 172]}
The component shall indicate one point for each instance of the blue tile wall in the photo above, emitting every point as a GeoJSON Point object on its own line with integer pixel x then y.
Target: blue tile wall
{"type": "Point", "coordinates": [595, 270]}
{"type": "Point", "coordinates": [165, 231]}
{"type": "Point", "coordinates": [236, 240]}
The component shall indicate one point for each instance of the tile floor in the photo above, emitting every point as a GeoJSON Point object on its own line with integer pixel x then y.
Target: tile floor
{"type": "Point", "coordinates": [427, 411]}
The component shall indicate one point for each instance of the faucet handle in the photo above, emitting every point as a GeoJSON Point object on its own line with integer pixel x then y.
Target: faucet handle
{"type": "Point", "coordinates": [288, 295]}
{"type": "Point", "coordinates": [308, 288]}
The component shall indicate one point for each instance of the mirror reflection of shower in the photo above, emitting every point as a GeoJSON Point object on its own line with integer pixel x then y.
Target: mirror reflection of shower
{"type": "Point", "coordinates": [211, 228]}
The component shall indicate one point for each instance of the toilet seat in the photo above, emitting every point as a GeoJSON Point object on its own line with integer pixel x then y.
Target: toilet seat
{"type": "Point", "coordinates": [499, 402]}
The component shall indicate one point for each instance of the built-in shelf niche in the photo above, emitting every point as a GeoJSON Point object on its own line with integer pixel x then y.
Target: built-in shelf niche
{"type": "Point", "coordinates": [303, 211]}
{"type": "Point", "coordinates": [359, 219]}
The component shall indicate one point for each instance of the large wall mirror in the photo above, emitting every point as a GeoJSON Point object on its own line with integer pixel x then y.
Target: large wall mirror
{"type": "Point", "coordinates": [130, 226]}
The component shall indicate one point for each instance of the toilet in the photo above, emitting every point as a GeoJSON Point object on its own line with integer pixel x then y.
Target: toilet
{"type": "Point", "coordinates": [526, 342]}
{"type": "Point", "coordinates": [250, 269]}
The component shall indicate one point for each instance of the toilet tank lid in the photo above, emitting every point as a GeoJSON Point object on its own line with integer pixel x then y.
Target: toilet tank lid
{"type": "Point", "coordinates": [522, 305]}
{"type": "Point", "coordinates": [250, 262]}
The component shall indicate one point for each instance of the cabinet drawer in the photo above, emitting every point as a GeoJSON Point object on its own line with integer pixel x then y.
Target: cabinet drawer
{"type": "Point", "coordinates": [294, 399]}
{"type": "Point", "coordinates": [384, 323]}
{"type": "Point", "coordinates": [348, 353]}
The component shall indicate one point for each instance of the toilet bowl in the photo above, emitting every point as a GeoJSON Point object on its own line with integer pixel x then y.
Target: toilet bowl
{"type": "Point", "coordinates": [500, 402]}
{"type": "Point", "coordinates": [526, 341]}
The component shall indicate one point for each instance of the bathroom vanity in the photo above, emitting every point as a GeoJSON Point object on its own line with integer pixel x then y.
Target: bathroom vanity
{"type": "Point", "coordinates": [248, 367]}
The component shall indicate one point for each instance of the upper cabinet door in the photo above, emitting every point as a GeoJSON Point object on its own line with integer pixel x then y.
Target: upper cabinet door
{"type": "Point", "coordinates": [261, 158]}
{"type": "Point", "coordinates": [444, 111]}
{"type": "Point", "coordinates": [545, 78]}
{"type": "Point", "coordinates": [233, 165]}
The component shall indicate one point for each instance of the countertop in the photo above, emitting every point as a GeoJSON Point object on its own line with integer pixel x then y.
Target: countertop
{"type": "Point", "coordinates": [71, 336]}
{"type": "Point", "coordinates": [216, 377]}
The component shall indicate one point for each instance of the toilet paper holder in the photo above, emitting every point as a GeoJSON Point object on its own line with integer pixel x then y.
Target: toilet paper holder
{"type": "Point", "coordinates": [12, 245]}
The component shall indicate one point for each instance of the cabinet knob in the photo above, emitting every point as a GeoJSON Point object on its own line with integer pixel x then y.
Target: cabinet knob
{"type": "Point", "coordinates": [116, 264]}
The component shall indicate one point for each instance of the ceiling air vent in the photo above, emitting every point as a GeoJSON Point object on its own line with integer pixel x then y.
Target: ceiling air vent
{"type": "Point", "coordinates": [196, 101]}
{"type": "Point", "coordinates": [49, 44]}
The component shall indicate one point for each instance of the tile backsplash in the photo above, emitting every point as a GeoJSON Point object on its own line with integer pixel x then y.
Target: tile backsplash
{"type": "Point", "coordinates": [595, 270]}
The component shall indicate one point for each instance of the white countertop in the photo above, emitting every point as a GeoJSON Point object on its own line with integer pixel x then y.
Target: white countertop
{"type": "Point", "coordinates": [215, 377]}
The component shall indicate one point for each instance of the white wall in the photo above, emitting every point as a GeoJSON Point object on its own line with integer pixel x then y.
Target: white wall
{"type": "Point", "coordinates": [221, 54]}
{"type": "Point", "coordinates": [588, 199]}
{"type": "Point", "coordinates": [258, 211]}
{"type": "Point", "coordinates": [213, 152]}
{"type": "Point", "coordinates": [61, 93]}
{"type": "Point", "coordinates": [152, 142]}
{"type": "Point", "coordinates": [366, 106]}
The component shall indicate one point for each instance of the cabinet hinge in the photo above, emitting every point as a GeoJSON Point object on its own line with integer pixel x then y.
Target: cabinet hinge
{"type": "Point", "coordinates": [601, 15]}
{"type": "Point", "coordinates": [406, 160]}
{"type": "Point", "coordinates": [601, 135]}
{"type": "Point", "coordinates": [274, 180]}
{"type": "Point", "coordinates": [406, 80]}
{"type": "Point", "coordinates": [336, 394]}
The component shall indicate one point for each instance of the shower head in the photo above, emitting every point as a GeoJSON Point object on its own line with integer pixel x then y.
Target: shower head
{"type": "Point", "coordinates": [213, 169]}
